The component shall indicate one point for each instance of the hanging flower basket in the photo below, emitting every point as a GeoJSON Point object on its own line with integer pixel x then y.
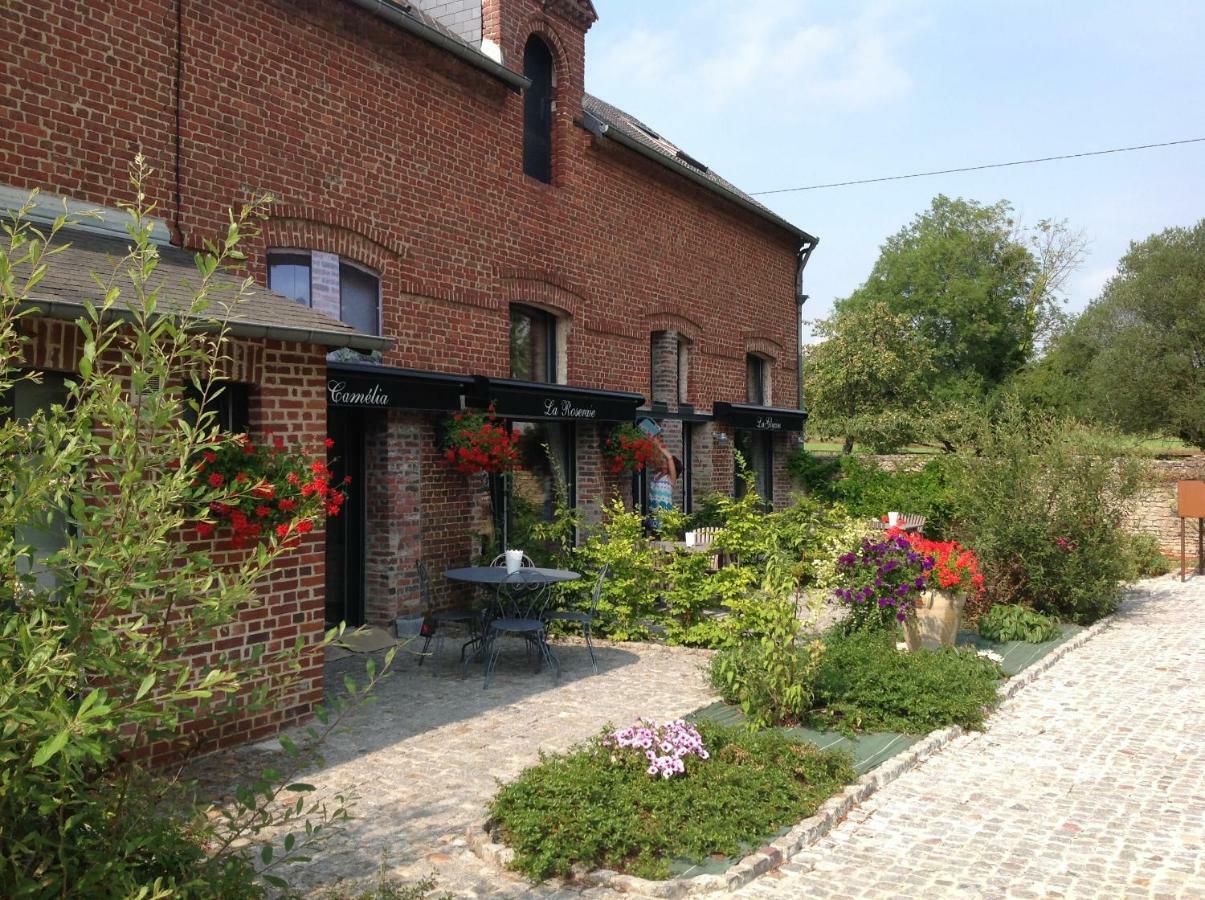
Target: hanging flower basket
{"type": "Point", "coordinates": [265, 489]}
{"type": "Point", "coordinates": [628, 449]}
{"type": "Point", "coordinates": [476, 442]}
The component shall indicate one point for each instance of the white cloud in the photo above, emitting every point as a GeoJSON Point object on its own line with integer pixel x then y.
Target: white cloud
{"type": "Point", "coordinates": [734, 54]}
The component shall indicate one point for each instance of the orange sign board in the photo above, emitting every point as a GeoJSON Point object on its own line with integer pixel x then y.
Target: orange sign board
{"type": "Point", "coordinates": [1191, 499]}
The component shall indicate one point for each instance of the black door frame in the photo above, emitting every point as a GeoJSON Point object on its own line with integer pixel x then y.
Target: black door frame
{"type": "Point", "coordinates": [346, 601]}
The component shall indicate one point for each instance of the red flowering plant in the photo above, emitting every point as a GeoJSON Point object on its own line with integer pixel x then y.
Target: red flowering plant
{"type": "Point", "coordinates": [628, 449]}
{"type": "Point", "coordinates": [265, 490]}
{"type": "Point", "coordinates": [955, 567]}
{"type": "Point", "coordinates": [476, 442]}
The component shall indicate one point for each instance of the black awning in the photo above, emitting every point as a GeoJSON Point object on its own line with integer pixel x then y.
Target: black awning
{"type": "Point", "coordinates": [684, 413]}
{"type": "Point", "coordinates": [555, 402]}
{"type": "Point", "coordinates": [368, 386]}
{"type": "Point", "coordinates": [760, 418]}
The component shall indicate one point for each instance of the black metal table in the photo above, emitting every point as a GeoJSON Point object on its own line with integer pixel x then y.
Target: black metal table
{"type": "Point", "coordinates": [510, 607]}
{"type": "Point", "coordinates": [497, 575]}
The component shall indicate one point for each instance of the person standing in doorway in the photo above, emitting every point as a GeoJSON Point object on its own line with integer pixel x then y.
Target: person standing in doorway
{"type": "Point", "coordinates": [661, 486]}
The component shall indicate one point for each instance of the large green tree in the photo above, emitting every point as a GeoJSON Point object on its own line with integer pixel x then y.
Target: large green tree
{"type": "Point", "coordinates": [865, 375]}
{"type": "Point", "coordinates": [979, 289]}
{"type": "Point", "coordinates": [1135, 359]}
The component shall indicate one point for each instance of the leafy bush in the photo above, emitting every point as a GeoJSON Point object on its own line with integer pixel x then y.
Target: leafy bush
{"type": "Point", "coordinates": [628, 604]}
{"type": "Point", "coordinates": [92, 673]}
{"type": "Point", "coordinates": [599, 807]}
{"type": "Point", "coordinates": [1146, 559]}
{"type": "Point", "coordinates": [869, 490]}
{"type": "Point", "coordinates": [815, 473]}
{"type": "Point", "coordinates": [865, 684]}
{"type": "Point", "coordinates": [1041, 501]}
{"type": "Point", "coordinates": [770, 677]}
{"type": "Point", "coordinates": [1016, 623]}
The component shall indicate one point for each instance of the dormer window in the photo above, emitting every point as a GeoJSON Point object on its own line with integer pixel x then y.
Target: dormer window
{"type": "Point", "coordinates": [537, 110]}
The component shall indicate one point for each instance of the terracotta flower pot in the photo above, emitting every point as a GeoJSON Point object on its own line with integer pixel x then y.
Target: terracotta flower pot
{"type": "Point", "coordinates": [934, 623]}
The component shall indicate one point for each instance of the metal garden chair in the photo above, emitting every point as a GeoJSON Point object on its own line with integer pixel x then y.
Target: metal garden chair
{"type": "Point", "coordinates": [526, 595]}
{"type": "Point", "coordinates": [584, 618]}
{"type": "Point", "coordinates": [434, 618]}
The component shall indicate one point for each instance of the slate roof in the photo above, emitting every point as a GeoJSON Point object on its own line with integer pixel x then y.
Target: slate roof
{"type": "Point", "coordinates": [68, 285]}
{"type": "Point", "coordinates": [674, 157]}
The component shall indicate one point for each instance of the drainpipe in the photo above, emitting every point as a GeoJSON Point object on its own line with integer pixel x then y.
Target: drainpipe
{"type": "Point", "coordinates": [177, 90]}
{"type": "Point", "coordinates": [801, 259]}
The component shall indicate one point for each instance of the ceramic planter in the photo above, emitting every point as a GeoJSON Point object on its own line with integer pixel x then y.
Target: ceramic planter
{"type": "Point", "coordinates": [934, 623]}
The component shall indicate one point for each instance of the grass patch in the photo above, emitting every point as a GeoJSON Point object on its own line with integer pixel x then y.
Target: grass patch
{"type": "Point", "coordinates": [598, 806]}
{"type": "Point", "coordinates": [865, 684]}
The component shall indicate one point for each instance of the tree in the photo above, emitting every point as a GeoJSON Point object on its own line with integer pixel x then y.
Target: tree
{"type": "Point", "coordinates": [1135, 358]}
{"type": "Point", "coordinates": [865, 375]}
{"type": "Point", "coordinates": [980, 290]}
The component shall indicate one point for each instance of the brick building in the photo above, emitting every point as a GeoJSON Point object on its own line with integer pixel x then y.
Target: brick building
{"type": "Point", "coordinates": [488, 231]}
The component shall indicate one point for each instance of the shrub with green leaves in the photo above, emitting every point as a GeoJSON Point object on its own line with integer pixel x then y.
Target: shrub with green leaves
{"type": "Point", "coordinates": [1005, 622]}
{"type": "Point", "coordinates": [1146, 559]}
{"type": "Point", "coordinates": [864, 683]}
{"type": "Point", "coordinates": [103, 583]}
{"type": "Point", "coordinates": [769, 676]}
{"type": "Point", "coordinates": [1042, 499]}
{"type": "Point", "coordinates": [598, 807]}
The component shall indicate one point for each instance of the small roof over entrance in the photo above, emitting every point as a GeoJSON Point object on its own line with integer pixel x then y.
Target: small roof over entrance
{"type": "Point", "coordinates": [68, 285]}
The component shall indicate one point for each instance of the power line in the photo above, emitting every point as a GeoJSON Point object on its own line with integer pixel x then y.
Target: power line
{"type": "Point", "coordinates": [1016, 162]}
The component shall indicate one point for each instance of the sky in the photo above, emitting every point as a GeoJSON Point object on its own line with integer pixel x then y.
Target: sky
{"type": "Point", "coordinates": [785, 93]}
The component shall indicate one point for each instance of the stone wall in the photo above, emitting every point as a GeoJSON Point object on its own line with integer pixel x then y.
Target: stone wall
{"type": "Point", "coordinates": [1155, 510]}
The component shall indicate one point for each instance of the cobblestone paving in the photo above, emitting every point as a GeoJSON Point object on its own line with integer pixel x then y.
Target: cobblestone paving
{"type": "Point", "coordinates": [1089, 783]}
{"type": "Point", "coordinates": [427, 755]}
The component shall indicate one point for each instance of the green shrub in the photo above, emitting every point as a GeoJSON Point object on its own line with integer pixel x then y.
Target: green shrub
{"type": "Point", "coordinates": [864, 683]}
{"type": "Point", "coordinates": [870, 491]}
{"type": "Point", "coordinates": [1146, 559]}
{"type": "Point", "coordinates": [599, 807]}
{"type": "Point", "coordinates": [96, 624]}
{"type": "Point", "coordinates": [1016, 623]}
{"type": "Point", "coordinates": [815, 474]}
{"type": "Point", "coordinates": [1041, 500]}
{"type": "Point", "coordinates": [770, 677]}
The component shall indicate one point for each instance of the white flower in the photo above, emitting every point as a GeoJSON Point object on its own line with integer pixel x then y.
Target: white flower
{"type": "Point", "coordinates": [992, 655]}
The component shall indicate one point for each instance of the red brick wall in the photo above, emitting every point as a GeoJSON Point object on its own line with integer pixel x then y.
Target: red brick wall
{"type": "Point", "coordinates": [396, 154]}
{"type": "Point", "coordinates": [287, 397]}
{"type": "Point", "coordinates": [388, 151]}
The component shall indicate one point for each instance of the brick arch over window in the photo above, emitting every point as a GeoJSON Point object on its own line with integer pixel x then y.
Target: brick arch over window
{"type": "Point", "coordinates": [544, 290]}
{"type": "Point", "coordinates": [664, 320]}
{"type": "Point", "coordinates": [542, 27]}
{"type": "Point", "coordinates": [357, 241]}
{"type": "Point", "coordinates": [765, 348]}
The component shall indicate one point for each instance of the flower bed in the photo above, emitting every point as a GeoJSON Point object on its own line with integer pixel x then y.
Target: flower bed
{"type": "Point", "coordinates": [605, 805]}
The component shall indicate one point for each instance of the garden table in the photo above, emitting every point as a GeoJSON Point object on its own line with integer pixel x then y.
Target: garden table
{"type": "Point", "coordinates": [506, 605]}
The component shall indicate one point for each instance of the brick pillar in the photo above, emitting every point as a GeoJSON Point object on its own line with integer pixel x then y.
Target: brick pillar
{"type": "Point", "coordinates": [393, 527]}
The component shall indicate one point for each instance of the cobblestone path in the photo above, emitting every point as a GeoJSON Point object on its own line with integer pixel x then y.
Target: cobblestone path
{"type": "Point", "coordinates": [1089, 783]}
{"type": "Point", "coordinates": [426, 756]}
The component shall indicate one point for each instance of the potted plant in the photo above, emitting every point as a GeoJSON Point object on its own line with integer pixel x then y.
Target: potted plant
{"type": "Point", "coordinates": [937, 614]}
{"type": "Point", "coordinates": [475, 442]}
{"type": "Point", "coordinates": [265, 489]}
{"type": "Point", "coordinates": [882, 581]}
{"type": "Point", "coordinates": [628, 449]}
